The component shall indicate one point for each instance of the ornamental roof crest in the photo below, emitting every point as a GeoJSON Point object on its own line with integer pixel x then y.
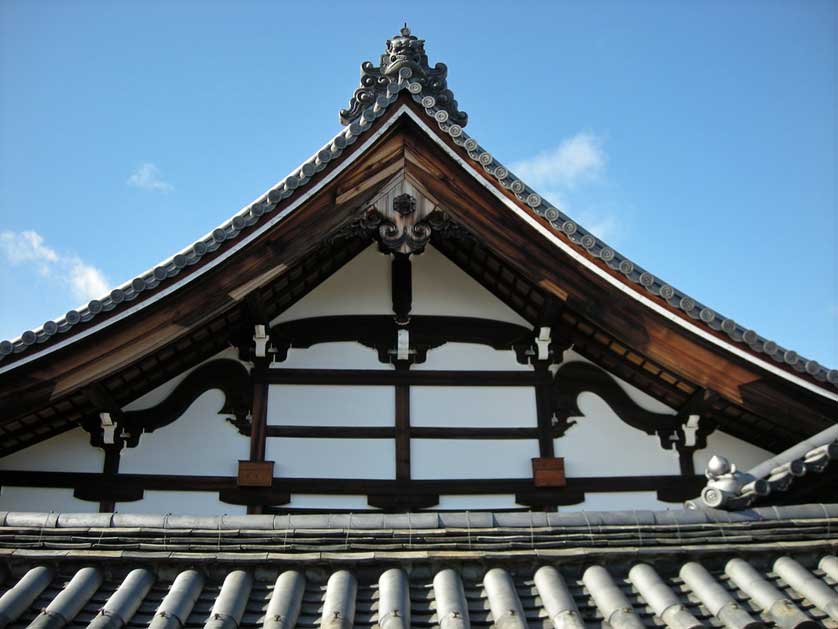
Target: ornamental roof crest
{"type": "Point", "coordinates": [404, 60]}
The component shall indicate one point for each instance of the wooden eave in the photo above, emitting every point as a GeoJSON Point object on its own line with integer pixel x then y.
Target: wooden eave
{"type": "Point", "coordinates": [131, 356]}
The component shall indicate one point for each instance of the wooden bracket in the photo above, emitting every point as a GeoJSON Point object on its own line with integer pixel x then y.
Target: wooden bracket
{"type": "Point", "coordinates": [548, 472]}
{"type": "Point", "coordinates": [255, 474]}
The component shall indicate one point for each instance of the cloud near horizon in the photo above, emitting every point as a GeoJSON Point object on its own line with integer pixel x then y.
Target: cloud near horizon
{"type": "Point", "coordinates": [147, 176]}
{"type": "Point", "coordinates": [575, 159]}
{"type": "Point", "coordinates": [556, 173]}
{"type": "Point", "coordinates": [84, 281]}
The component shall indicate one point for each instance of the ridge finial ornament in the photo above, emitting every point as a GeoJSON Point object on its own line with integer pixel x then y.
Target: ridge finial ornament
{"type": "Point", "coordinates": [404, 65]}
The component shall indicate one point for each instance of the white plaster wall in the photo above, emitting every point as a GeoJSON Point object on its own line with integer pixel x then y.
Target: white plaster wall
{"type": "Point", "coordinates": [742, 453]}
{"type": "Point", "coordinates": [621, 501]}
{"type": "Point", "coordinates": [68, 452]}
{"type": "Point", "coordinates": [199, 442]}
{"type": "Point", "coordinates": [644, 400]}
{"type": "Point", "coordinates": [331, 405]}
{"type": "Point", "coordinates": [181, 503]}
{"type": "Point", "coordinates": [158, 394]}
{"type": "Point", "coordinates": [601, 444]}
{"type": "Point", "coordinates": [44, 500]}
{"type": "Point", "coordinates": [471, 502]}
{"type": "Point", "coordinates": [470, 357]}
{"type": "Point", "coordinates": [472, 458]}
{"type": "Point", "coordinates": [332, 458]}
{"type": "Point", "coordinates": [340, 355]}
{"type": "Point", "coordinates": [327, 501]}
{"type": "Point", "coordinates": [501, 407]}
{"type": "Point", "coordinates": [362, 286]}
{"type": "Point", "coordinates": [440, 287]}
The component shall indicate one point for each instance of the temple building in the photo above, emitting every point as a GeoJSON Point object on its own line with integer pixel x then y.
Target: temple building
{"type": "Point", "coordinates": [402, 389]}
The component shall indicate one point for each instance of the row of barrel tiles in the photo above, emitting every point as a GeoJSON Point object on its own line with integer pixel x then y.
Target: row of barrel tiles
{"type": "Point", "coordinates": [739, 598]}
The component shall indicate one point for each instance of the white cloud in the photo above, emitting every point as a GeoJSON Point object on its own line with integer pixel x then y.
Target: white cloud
{"type": "Point", "coordinates": [604, 226]}
{"type": "Point", "coordinates": [83, 280]}
{"type": "Point", "coordinates": [575, 159]}
{"type": "Point", "coordinates": [556, 173]}
{"type": "Point", "coordinates": [147, 176]}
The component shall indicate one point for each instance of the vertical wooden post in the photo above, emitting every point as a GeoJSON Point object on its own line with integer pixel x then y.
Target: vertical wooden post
{"type": "Point", "coordinates": [259, 420]}
{"type": "Point", "coordinates": [110, 469]}
{"type": "Point", "coordinates": [258, 423]}
{"type": "Point", "coordinates": [401, 287]}
{"type": "Point", "coordinates": [402, 432]}
{"type": "Point", "coordinates": [545, 420]}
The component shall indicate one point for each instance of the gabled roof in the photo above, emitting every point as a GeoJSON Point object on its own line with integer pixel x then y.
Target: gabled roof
{"type": "Point", "coordinates": [405, 94]}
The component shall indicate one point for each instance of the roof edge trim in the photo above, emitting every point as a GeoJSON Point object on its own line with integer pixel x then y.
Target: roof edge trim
{"type": "Point", "coordinates": [219, 259]}
{"type": "Point", "coordinates": [577, 256]}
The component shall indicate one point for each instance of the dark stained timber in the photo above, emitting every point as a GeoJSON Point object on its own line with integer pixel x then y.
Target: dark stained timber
{"type": "Point", "coordinates": [381, 377]}
{"type": "Point", "coordinates": [668, 487]}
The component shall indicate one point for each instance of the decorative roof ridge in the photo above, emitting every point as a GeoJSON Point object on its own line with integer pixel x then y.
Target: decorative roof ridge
{"type": "Point", "coordinates": [730, 488]}
{"type": "Point", "coordinates": [616, 261]}
{"type": "Point", "coordinates": [405, 67]}
{"type": "Point", "coordinates": [403, 59]}
{"type": "Point", "coordinates": [229, 230]}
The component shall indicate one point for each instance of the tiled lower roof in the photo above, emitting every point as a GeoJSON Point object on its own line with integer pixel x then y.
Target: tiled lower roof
{"type": "Point", "coordinates": [773, 567]}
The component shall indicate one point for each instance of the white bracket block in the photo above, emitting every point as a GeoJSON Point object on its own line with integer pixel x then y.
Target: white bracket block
{"type": "Point", "coordinates": [260, 339]}
{"type": "Point", "coordinates": [542, 343]}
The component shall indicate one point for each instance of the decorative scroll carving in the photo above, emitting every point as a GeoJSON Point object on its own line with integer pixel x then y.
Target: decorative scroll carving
{"type": "Point", "coordinates": [575, 378]}
{"type": "Point", "coordinates": [379, 333]}
{"type": "Point", "coordinates": [408, 235]}
{"type": "Point", "coordinates": [404, 60]}
{"type": "Point", "coordinates": [230, 376]}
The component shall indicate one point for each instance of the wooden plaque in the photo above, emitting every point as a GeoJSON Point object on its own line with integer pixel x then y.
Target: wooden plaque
{"type": "Point", "coordinates": [548, 472]}
{"type": "Point", "coordinates": [255, 474]}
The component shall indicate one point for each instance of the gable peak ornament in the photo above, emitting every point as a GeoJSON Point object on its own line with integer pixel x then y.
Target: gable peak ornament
{"type": "Point", "coordinates": [404, 65]}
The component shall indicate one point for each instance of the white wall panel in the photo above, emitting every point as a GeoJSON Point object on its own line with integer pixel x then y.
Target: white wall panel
{"type": "Point", "coordinates": [472, 458]}
{"type": "Point", "coordinates": [601, 444]}
{"type": "Point", "coordinates": [327, 501]}
{"type": "Point", "coordinates": [440, 287]}
{"type": "Point", "coordinates": [158, 394]}
{"type": "Point", "coordinates": [341, 355]}
{"type": "Point", "coordinates": [742, 453]}
{"type": "Point", "coordinates": [44, 500]}
{"type": "Point", "coordinates": [621, 501]}
{"type": "Point", "coordinates": [332, 458]}
{"type": "Point", "coordinates": [643, 400]}
{"type": "Point", "coordinates": [199, 442]}
{"type": "Point", "coordinates": [470, 357]}
{"type": "Point", "coordinates": [68, 452]}
{"type": "Point", "coordinates": [331, 405]}
{"type": "Point", "coordinates": [362, 286]}
{"type": "Point", "coordinates": [472, 502]}
{"type": "Point", "coordinates": [473, 406]}
{"type": "Point", "coordinates": [181, 503]}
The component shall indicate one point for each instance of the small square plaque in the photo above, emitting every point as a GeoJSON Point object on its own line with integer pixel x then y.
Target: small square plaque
{"type": "Point", "coordinates": [255, 474]}
{"type": "Point", "coordinates": [548, 472]}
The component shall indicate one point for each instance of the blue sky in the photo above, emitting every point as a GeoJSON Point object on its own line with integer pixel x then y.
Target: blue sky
{"type": "Point", "coordinates": [698, 138]}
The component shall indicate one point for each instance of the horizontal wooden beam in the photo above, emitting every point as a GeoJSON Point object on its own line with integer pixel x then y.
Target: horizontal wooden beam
{"type": "Point", "coordinates": [383, 377]}
{"type": "Point", "coordinates": [387, 432]}
{"type": "Point", "coordinates": [356, 486]}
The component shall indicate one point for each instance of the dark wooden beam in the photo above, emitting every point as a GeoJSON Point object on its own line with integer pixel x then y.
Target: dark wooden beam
{"type": "Point", "coordinates": [402, 287]}
{"type": "Point", "coordinates": [403, 432]}
{"type": "Point", "coordinates": [381, 377]}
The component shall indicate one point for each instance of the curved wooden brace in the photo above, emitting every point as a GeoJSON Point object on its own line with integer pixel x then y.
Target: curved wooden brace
{"type": "Point", "coordinates": [575, 378]}
{"type": "Point", "coordinates": [229, 376]}
{"type": "Point", "coordinates": [379, 332]}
